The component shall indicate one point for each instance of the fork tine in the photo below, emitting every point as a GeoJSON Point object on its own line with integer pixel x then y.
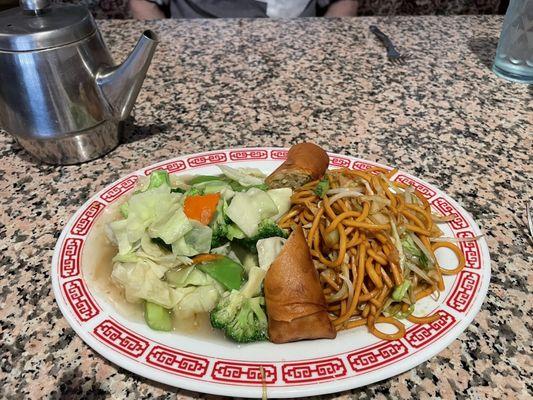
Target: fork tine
{"type": "Point", "coordinates": [529, 219]}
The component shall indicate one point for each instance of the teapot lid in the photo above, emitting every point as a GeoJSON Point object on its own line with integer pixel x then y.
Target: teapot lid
{"type": "Point", "coordinates": [37, 25]}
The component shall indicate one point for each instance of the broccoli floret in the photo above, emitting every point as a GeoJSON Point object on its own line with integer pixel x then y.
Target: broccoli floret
{"type": "Point", "coordinates": [226, 310]}
{"type": "Point", "coordinates": [219, 238]}
{"type": "Point", "coordinates": [250, 324]}
{"type": "Point", "coordinates": [240, 314]}
{"type": "Point", "coordinates": [220, 226]}
{"type": "Point", "coordinates": [267, 229]}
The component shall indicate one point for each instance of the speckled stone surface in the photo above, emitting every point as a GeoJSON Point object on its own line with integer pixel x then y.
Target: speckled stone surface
{"type": "Point", "coordinates": [443, 116]}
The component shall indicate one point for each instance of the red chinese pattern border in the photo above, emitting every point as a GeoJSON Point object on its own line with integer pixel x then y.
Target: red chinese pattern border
{"type": "Point", "coordinates": [340, 162]}
{"type": "Point", "coordinates": [70, 257]}
{"type": "Point", "coordinates": [177, 362]}
{"type": "Point", "coordinates": [207, 159]}
{"type": "Point", "coordinates": [248, 154]}
{"type": "Point", "coordinates": [471, 250]}
{"type": "Point", "coordinates": [361, 165]}
{"type": "Point", "coordinates": [120, 338]}
{"type": "Point", "coordinates": [446, 209]}
{"type": "Point", "coordinates": [313, 370]}
{"type": "Point", "coordinates": [426, 191]}
{"type": "Point", "coordinates": [421, 335]}
{"type": "Point", "coordinates": [464, 291]}
{"type": "Point", "coordinates": [86, 219]}
{"type": "Point", "coordinates": [237, 372]}
{"type": "Point", "coordinates": [171, 166]}
{"type": "Point", "coordinates": [278, 154]}
{"type": "Point", "coordinates": [381, 354]}
{"type": "Point", "coordinates": [121, 187]}
{"type": "Point", "coordinates": [80, 300]}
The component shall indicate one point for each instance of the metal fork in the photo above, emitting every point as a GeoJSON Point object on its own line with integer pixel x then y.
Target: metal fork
{"type": "Point", "coordinates": [529, 220]}
{"type": "Point", "coordinates": [393, 55]}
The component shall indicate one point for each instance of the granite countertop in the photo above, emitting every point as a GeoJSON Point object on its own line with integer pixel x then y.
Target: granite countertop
{"type": "Point", "coordinates": [444, 116]}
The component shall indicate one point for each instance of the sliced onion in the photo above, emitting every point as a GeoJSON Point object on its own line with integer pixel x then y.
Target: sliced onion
{"type": "Point", "coordinates": [319, 266]}
{"type": "Point", "coordinates": [442, 218]}
{"type": "Point", "coordinates": [340, 190]}
{"type": "Point", "coordinates": [329, 274]}
{"type": "Point", "coordinates": [345, 277]}
{"type": "Point", "coordinates": [456, 239]}
{"type": "Point", "coordinates": [378, 202]}
{"type": "Point", "coordinates": [332, 238]}
{"type": "Point", "coordinates": [376, 198]}
{"type": "Point", "coordinates": [349, 193]}
{"type": "Point", "coordinates": [418, 271]}
{"type": "Point", "coordinates": [380, 219]}
{"type": "Point", "coordinates": [339, 295]}
{"type": "Point", "coordinates": [398, 244]}
{"type": "Point", "coordinates": [368, 188]}
{"type": "Point", "coordinates": [426, 252]}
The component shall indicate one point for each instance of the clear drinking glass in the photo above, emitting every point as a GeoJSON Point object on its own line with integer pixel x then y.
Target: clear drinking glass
{"type": "Point", "coordinates": [514, 55]}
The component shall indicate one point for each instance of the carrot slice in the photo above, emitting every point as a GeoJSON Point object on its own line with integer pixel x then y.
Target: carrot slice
{"type": "Point", "coordinates": [201, 208]}
{"type": "Point", "coordinates": [201, 258]}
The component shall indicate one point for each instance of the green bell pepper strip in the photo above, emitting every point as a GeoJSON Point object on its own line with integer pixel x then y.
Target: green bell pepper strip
{"type": "Point", "coordinates": [224, 270]}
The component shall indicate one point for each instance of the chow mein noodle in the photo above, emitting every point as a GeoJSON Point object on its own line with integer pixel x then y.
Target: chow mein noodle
{"type": "Point", "coordinates": [373, 243]}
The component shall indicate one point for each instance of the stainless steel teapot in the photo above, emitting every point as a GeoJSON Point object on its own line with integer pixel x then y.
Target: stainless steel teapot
{"type": "Point", "coordinates": [61, 95]}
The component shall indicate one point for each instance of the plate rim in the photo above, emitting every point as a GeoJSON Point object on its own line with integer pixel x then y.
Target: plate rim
{"type": "Point", "coordinates": [305, 389]}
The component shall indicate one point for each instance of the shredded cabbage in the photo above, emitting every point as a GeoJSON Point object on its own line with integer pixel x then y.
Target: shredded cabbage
{"type": "Point", "coordinates": [171, 226]}
{"type": "Point", "coordinates": [188, 276]}
{"type": "Point", "coordinates": [245, 176]}
{"type": "Point", "coordinates": [268, 249]}
{"type": "Point", "coordinates": [282, 198]}
{"type": "Point", "coordinates": [221, 187]}
{"type": "Point", "coordinates": [144, 210]}
{"type": "Point", "coordinates": [140, 281]}
{"type": "Point", "coordinates": [196, 241]}
{"type": "Point", "coordinates": [248, 209]}
{"type": "Point", "coordinates": [197, 299]}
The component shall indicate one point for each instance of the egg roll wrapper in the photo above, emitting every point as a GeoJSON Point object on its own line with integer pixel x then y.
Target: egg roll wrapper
{"type": "Point", "coordinates": [295, 303]}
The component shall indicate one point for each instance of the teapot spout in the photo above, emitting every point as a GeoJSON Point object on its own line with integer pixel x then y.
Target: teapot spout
{"type": "Point", "coordinates": [120, 85]}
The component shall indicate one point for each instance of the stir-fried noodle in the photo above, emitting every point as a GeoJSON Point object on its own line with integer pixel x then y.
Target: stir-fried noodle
{"type": "Point", "coordinates": [373, 243]}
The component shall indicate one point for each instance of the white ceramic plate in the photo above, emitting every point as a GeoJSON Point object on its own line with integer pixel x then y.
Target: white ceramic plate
{"type": "Point", "coordinates": [213, 364]}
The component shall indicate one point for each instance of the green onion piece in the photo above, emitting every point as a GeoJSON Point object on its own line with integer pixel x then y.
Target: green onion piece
{"type": "Point", "coordinates": [400, 290]}
{"type": "Point", "coordinates": [322, 187]}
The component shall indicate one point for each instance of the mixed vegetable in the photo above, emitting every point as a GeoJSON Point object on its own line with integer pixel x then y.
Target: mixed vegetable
{"type": "Point", "coordinates": [200, 246]}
